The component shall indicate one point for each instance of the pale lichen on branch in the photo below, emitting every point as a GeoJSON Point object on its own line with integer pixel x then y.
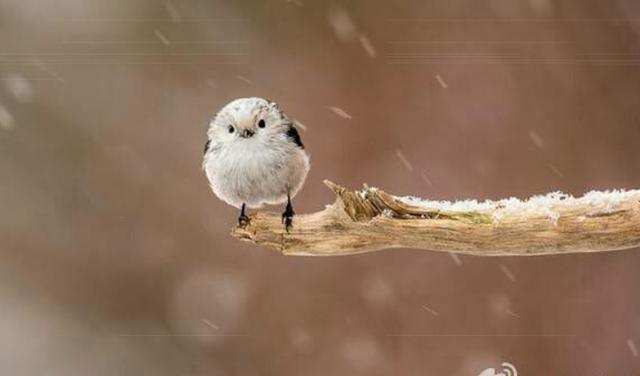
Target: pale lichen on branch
{"type": "Point", "coordinates": [371, 219]}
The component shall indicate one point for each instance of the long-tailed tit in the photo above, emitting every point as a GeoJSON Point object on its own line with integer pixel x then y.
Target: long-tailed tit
{"type": "Point", "coordinates": [254, 156]}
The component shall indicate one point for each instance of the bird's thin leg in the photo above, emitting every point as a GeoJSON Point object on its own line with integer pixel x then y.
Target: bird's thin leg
{"type": "Point", "coordinates": [287, 216]}
{"type": "Point", "coordinates": [243, 220]}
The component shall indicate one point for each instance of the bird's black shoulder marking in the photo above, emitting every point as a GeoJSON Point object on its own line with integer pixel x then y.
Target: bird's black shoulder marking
{"type": "Point", "coordinates": [206, 146]}
{"type": "Point", "coordinates": [293, 134]}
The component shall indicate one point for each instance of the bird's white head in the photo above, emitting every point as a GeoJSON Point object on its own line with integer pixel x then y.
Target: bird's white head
{"type": "Point", "coordinates": [247, 120]}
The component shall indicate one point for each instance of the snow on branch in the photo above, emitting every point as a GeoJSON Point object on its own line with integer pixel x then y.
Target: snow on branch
{"type": "Point", "coordinates": [370, 220]}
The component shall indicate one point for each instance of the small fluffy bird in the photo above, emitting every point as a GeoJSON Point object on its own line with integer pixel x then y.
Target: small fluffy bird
{"type": "Point", "coordinates": [254, 156]}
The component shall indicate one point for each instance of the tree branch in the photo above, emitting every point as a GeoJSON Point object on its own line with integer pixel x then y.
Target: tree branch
{"type": "Point", "coordinates": [370, 220]}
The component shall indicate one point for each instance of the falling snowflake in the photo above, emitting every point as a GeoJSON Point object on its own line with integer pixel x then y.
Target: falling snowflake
{"type": "Point", "coordinates": [441, 81]}
{"type": "Point", "coordinates": [18, 86]}
{"type": "Point", "coordinates": [431, 311]}
{"type": "Point", "coordinates": [162, 38]}
{"type": "Point", "coordinates": [340, 112]}
{"type": "Point", "coordinates": [6, 119]}
{"type": "Point", "coordinates": [426, 179]}
{"type": "Point", "coordinates": [173, 11]}
{"type": "Point", "coordinates": [342, 24]}
{"type": "Point", "coordinates": [244, 79]}
{"type": "Point", "coordinates": [404, 160]}
{"type": "Point", "coordinates": [455, 258]}
{"type": "Point", "coordinates": [632, 348]}
{"type": "Point", "coordinates": [508, 273]}
{"type": "Point", "coordinates": [536, 139]}
{"type": "Point", "coordinates": [367, 46]}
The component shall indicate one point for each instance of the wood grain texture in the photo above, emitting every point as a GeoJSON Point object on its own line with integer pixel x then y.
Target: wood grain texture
{"type": "Point", "coordinates": [370, 220]}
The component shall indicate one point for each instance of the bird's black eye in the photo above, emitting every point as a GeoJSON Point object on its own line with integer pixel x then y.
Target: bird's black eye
{"type": "Point", "coordinates": [231, 129]}
{"type": "Point", "coordinates": [261, 123]}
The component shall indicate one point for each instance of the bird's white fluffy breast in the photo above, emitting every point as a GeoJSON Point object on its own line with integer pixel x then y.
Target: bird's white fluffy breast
{"type": "Point", "coordinates": [255, 172]}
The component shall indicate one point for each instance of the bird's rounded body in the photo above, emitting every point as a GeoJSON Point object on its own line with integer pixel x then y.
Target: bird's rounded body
{"type": "Point", "coordinates": [257, 174]}
{"type": "Point", "coordinates": [254, 155]}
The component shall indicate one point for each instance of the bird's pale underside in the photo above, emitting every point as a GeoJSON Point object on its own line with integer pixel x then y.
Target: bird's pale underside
{"type": "Point", "coordinates": [254, 156]}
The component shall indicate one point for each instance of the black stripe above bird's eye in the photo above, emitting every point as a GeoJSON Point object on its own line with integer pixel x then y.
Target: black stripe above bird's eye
{"type": "Point", "coordinates": [293, 134]}
{"type": "Point", "coordinates": [206, 146]}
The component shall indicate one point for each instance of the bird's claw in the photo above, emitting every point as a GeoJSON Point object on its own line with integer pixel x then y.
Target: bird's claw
{"type": "Point", "coordinates": [287, 216]}
{"type": "Point", "coordinates": [243, 221]}
{"type": "Point", "coordinates": [287, 220]}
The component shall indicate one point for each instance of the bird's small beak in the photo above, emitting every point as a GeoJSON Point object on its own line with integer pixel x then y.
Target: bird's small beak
{"type": "Point", "coordinates": [247, 133]}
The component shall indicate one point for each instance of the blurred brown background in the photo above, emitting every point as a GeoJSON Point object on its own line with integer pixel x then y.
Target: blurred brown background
{"type": "Point", "coordinates": [116, 259]}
